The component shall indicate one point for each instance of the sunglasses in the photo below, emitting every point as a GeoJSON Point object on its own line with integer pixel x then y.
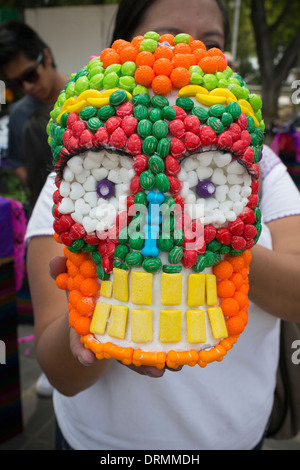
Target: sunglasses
{"type": "Point", "coordinates": [30, 76]}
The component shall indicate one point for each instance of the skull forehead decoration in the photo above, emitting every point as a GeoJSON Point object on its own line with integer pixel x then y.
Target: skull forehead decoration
{"type": "Point", "coordinates": [156, 145]}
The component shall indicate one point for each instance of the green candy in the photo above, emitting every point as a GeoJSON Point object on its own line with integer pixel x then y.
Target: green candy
{"type": "Point", "coordinates": [185, 103]}
{"type": "Point", "coordinates": [159, 101]}
{"type": "Point", "coordinates": [164, 242]}
{"type": "Point", "coordinates": [144, 128]}
{"type": "Point", "coordinates": [96, 81]}
{"type": "Point", "coordinates": [88, 112]}
{"type": "Point", "coordinates": [223, 83]}
{"type": "Point", "coordinates": [172, 269]}
{"type": "Point", "coordinates": [77, 245]}
{"type": "Point", "coordinates": [251, 124]}
{"type": "Point", "coordinates": [168, 205]}
{"type": "Point", "coordinates": [217, 110]}
{"type": "Point", "coordinates": [82, 84]}
{"type": "Point", "coordinates": [215, 124]}
{"type": "Point", "coordinates": [182, 37]}
{"type": "Point", "coordinates": [168, 224]}
{"type": "Point", "coordinates": [210, 81]}
{"type": "Point", "coordinates": [147, 179]}
{"type": "Point", "coordinates": [111, 80]}
{"type": "Point", "coordinates": [169, 113]}
{"type": "Point", "coordinates": [127, 83]}
{"type": "Point", "coordinates": [94, 123]}
{"type": "Point", "coordinates": [142, 98]}
{"type": "Point", "coordinates": [155, 114]}
{"type": "Point", "coordinates": [88, 248]}
{"type": "Point", "coordinates": [121, 251]}
{"type": "Point", "coordinates": [238, 91]}
{"type": "Point", "coordinates": [209, 259]}
{"type": "Point", "coordinates": [70, 90]}
{"type": "Point", "coordinates": [140, 112]}
{"type": "Point", "coordinates": [163, 148]}
{"type": "Point", "coordinates": [152, 35]}
{"type": "Point", "coordinates": [156, 164]}
{"type": "Point", "coordinates": [200, 264]}
{"type": "Point", "coordinates": [139, 89]}
{"type": "Point", "coordinates": [113, 68]}
{"type": "Point", "coordinates": [257, 152]}
{"type": "Point", "coordinates": [255, 102]}
{"type": "Point", "coordinates": [118, 97]}
{"type": "Point", "coordinates": [149, 45]}
{"type": "Point", "coordinates": [213, 246]}
{"type": "Point", "coordinates": [124, 235]}
{"type": "Point", "coordinates": [224, 249]}
{"type": "Point", "coordinates": [234, 109]}
{"type": "Point", "coordinates": [134, 258]}
{"type": "Point", "coordinates": [201, 114]}
{"type": "Point", "coordinates": [175, 255]}
{"type": "Point", "coordinates": [95, 71]}
{"type": "Point", "coordinates": [160, 129]}
{"type": "Point", "coordinates": [149, 145]}
{"type": "Point", "coordinates": [151, 264]}
{"type": "Point", "coordinates": [96, 257]}
{"type": "Point", "coordinates": [227, 119]}
{"type": "Point", "coordinates": [117, 263]}
{"type": "Point", "coordinates": [128, 68]}
{"type": "Point", "coordinates": [196, 69]}
{"type": "Point", "coordinates": [136, 241]}
{"type": "Point", "coordinates": [196, 79]}
{"type": "Point", "coordinates": [141, 199]}
{"type": "Point", "coordinates": [178, 236]}
{"type": "Point", "coordinates": [63, 119]}
{"type": "Point", "coordinates": [106, 112]}
{"type": "Point", "coordinates": [162, 183]}
{"type": "Point", "coordinates": [101, 273]}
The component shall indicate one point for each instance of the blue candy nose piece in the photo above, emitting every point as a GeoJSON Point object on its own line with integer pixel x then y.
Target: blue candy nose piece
{"type": "Point", "coordinates": [151, 229]}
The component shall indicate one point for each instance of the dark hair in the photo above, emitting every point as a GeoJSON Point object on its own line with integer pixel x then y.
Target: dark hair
{"type": "Point", "coordinates": [16, 37]}
{"type": "Point", "coordinates": [131, 12]}
{"type": "Point", "coordinates": [37, 152]}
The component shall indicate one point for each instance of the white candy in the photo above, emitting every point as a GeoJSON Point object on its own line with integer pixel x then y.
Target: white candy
{"type": "Point", "coordinates": [110, 163]}
{"type": "Point", "coordinates": [235, 179]}
{"type": "Point", "coordinates": [115, 176]}
{"type": "Point", "coordinates": [77, 191]}
{"type": "Point", "coordinates": [238, 207]}
{"type": "Point", "coordinates": [77, 216]}
{"type": "Point", "coordinates": [236, 168]}
{"type": "Point", "coordinates": [185, 189]}
{"type": "Point", "coordinates": [226, 206]}
{"type": "Point", "coordinates": [191, 198]}
{"type": "Point", "coordinates": [234, 193]}
{"type": "Point", "coordinates": [182, 175]}
{"type": "Point", "coordinates": [90, 183]}
{"type": "Point", "coordinates": [222, 159]}
{"type": "Point", "coordinates": [66, 206]}
{"type": "Point", "coordinates": [122, 203]}
{"type": "Point", "coordinates": [126, 162]}
{"type": "Point", "coordinates": [211, 204]}
{"type": "Point", "coordinates": [218, 177]}
{"type": "Point", "coordinates": [230, 216]}
{"type": "Point", "coordinates": [92, 161]}
{"type": "Point", "coordinates": [89, 224]}
{"type": "Point", "coordinates": [68, 174]}
{"type": "Point", "coordinates": [189, 164]}
{"type": "Point", "coordinates": [81, 177]}
{"type": "Point", "coordinates": [247, 179]}
{"type": "Point", "coordinates": [75, 164]}
{"type": "Point", "coordinates": [100, 173]}
{"type": "Point", "coordinates": [204, 172]}
{"type": "Point", "coordinates": [205, 158]}
{"type": "Point", "coordinates": [221, 192]}
{"type": "Point", "coordinates": [91, 198]}
{"type": "Point", "coordinates": [92, 212]}
{"type": "Point", "coordinates": [219, 217]}
{"type": "Point", "coordinates": [82, 207]}
{"type": "Point", "coordinates": [192, 179]}
{"type": "Point", "coordinates": [124, 175]}
{"type": "Point", "coordinates": [246, 191]}
{"type": "Point", "coordinates": [64, 189]}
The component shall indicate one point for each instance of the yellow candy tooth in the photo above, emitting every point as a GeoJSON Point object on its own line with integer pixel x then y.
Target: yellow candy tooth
{"type": "Point", "coordinates": [217, 322]}
{"type": "Point", "coordinates": [170, 326]}
{"type": "Point", "coordinates": [192, 90]}
{"type": "Point", "coordinates": [209, 100]}
{"type": "Point", "coordinates": [171, 289]}
{"type": "Point", "coordinates": [100, 317]}
{"type": "Point", "coordinates": [98, 102]}
{"type": "Point", "coordinates": [141, 288]}
{"type": "Point", "coordinates": [120, 285]}
{"type": "Point", "coordinates": [223, 92]}
{"type": "Point", "coordinates": [211, 289]}
{"type": "Point", "coordinates": [141, 325]}
{"type": "Point", "coordinates": [196, 290]}
{"type": "Point", "coordinates": [118, 321]}
{"type": "Point", "coordinates": [196, 326]}
{"type": "Point", "coordinates": [106, 289]}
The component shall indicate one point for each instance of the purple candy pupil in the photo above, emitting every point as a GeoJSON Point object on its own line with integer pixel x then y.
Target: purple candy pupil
{"type": "Point", "coordinates": [105, 189]}
{"type": "Point", "coordinates": [206, 189]}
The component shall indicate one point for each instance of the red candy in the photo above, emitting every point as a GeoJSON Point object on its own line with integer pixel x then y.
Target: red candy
{"type": "Point", "coordinates": [78, 127]}
{"type": "Point", "coordinates": [86, 139]}
{"type": "Point", "coordinates": [208, 136]}
{"type": "Point", "coordinates": [252, 201]}
{"type": "Point", "coordinates": [192, 124]}
{"type": "Point", "coordinates": [107, 264]}
{"type": "Point", "coordinates": [235, 131]}
{"type": "Point", "coordinates": [66, 239]}
{"type": "Point", "coordinates": [177, 148]}
{"type": "Point", "coordinates": [113, 123]}
{"type": "Point", "coordinates": [175, 184]}
{"type": "Point", "coordinates": [77, 231]}
{"type": "Point", "coordinates": [134, 145]}
{"type": "Point", "coordinates": [210, 233]}
{"type": "Point", "coordinates": [225, 140]}
{"type": "Point", "coordinates": [101, 137]}
{"type": "Point", "coordinates": [189, 258]}
{"type": "Point", "coordinates": [248, 156]}
{"type": "Point", "coordinates": [192, 141]}
{"type": "Point", "coordinates": [248, 216]}
{"type": "Point", "coordinates": [91, 238]}
{"type": "Point", "coordinates": [238, 243]}
{"type": "Point", "coordinates": [129, 125]}
{"type": "Point", "coordinates": [118, 139]}
{"type": "Point", "coordinates": [65, 222]}
{"type": "Point", "coordinates": [224, 236]}
{"type": "Point", "coordinates": [125, 109]}
{"type": "Point", "coordinates": [177, 128]}
{"type": "Point", "coordinates": [172, 166]}
{"type": "Point", "coordinates": [180, 113]}
{"type": "Point", "coordinates": [250, 231]}
{"type": "Point", "coordinates": [71, 119]}
{"type": "Point", "coordinates": [242, 121]}
{"type": "Point", "coordinates": [140, 164]}
{"type": "Point", "coordinates": [56, 197]}
{"type": "Point", "coordinates": [237, 227]}
{"type": "Point", "coordinates": [135, 185]}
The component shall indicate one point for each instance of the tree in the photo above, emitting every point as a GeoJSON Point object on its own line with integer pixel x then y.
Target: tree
{"type": "Point", "coordinates": [277, 36]}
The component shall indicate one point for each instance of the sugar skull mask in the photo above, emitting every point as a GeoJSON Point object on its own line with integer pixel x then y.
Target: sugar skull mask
{"type": "Point", "coordinates": [156, 146]}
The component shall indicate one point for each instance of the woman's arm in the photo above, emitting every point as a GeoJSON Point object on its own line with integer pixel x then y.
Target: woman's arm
{"type": "Point", "coordinates": [275, 274]}
{"type": "Point", "coordinates": [59, 351]}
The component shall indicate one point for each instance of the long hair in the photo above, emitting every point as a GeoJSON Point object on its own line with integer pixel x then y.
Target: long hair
{"type": "Point", "coordinates": [131, 12]}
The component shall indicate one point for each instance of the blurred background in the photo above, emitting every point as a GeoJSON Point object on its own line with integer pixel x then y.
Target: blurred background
{"type": "Point", "coordinates": [264, 46]}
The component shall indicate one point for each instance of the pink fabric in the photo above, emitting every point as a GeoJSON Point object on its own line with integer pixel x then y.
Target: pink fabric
{"type": "Point", "coordinates": [19, 230]}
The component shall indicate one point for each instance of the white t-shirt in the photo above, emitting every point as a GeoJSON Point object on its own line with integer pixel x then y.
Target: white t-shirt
{"type": "Point", "coordinates": [224, 406]}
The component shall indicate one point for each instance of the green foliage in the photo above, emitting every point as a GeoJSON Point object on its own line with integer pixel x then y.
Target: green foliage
{"type": "Point", "coordinates": [10, 187]}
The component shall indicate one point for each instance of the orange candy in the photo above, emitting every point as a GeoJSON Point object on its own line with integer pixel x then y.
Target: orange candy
{"type": "Point", "coordinates": [163, 52]}
{"type": "Point", "coordinates": [225, 289]}
{"type": "Point", "coordinates": [237, 280]}
{"type": "Point", "coordinates": [116, 45]}
{"type": "Point", "coordinates": [235, 325]}
{"type": "Point", "coordinates": [82, 325]}
{"type": "Point", "coordinates": [223, 270]}
{"type": "Point", "coordinates": [197, 45]}
{"type": "Point", "coordinates": [181, 60]}
{"type": "Point", "coordinates": [161, 85]}
{"type": "Point", "coordinates": [145, 58]}
{"type": "Point", "coordinates": [163, 67]}
{"type": "Point", "coordinates": [128, 53]}
{"type": "Point", "coordinates": [89, 287]}
{"type": "Point", "coordinates": [88, 269]}
{"type": "Point", "coordinates": [144, 75]}
{"type": "Point", "coordinates": [77, 258]}
{"type": "Point", "coordinates": [230, 307]}
{"type": "Point", "coordinates": [200, 53]}
{"type": "Point", "coordinates": [241, 298]}
{"type": "Point", "coordinates": [73, 315]}
{"type": "Point", "coordinates": [168, 38]}
{"type": "Point", "coordinates": [62, 281]}
{"type": "Point", "coordinates": [180, 77]}
{"type": "Point", "coordinates": [85, 306]}
{"type": "Point", "coordinates": [74, 297]}
{"type": "Point", "coordinates": [182, 48]}
{"type": "Point", "coordinates": [238, 263]}
{"type": "Point", "coordinates": [214, 51]}
{"type": "Point", "coordinates": [78, 280]}
{"type": "Point", "coordinates": [109, 56]}
{"type": "Point", "coordinates": [137, 41]}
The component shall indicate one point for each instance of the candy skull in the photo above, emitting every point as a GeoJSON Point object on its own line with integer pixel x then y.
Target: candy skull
{"type": "Point", "coordinates": [156, 145]}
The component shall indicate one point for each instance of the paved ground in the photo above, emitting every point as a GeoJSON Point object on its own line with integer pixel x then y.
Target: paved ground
{"type": "Point", "coordinates": [38, 416]}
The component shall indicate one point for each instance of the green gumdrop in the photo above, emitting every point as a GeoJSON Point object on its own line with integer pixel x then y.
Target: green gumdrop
{"type": "Point", "coordinates": [82, 84]}
{"type": "Point", "coordinates": [196, 79]}
{"type": "Point", "coordinates": [223, 83]}
{"type": "Point", "coordinates": [113, 68]}
{"type": "Point", "coordinates": [148, 45]}
{"type": "Point", "coordinates": [139, 89]}
{"type": "Point", "coordinates": [111, 80]}
{"type": "Point", "coordinates": [95, 70]}
{"type": "Point", "coordinates": [70, 90]}
{"type": "Point", "coordinates": [127, 83]}
{"type": "Point", "coordinates": [196, 69]}
{"type": "Point", "coordinates": [128, 68]}
{"type": "Point", "coordinates": [255, 102]}
{"type": "Point", "coordinates": [210, 81]}
{"type": "Point", "coordinates": [96, 82]}
{"type": "Point", "coordinates": [182, 37]}
{"type": "Point", "coordinates": [93, 62]}
{"type": "Point", "coordinates": [152, 35]}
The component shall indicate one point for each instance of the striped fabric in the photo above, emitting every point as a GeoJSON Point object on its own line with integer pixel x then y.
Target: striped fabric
{"type": "Point", "coordinates": [10, 391]}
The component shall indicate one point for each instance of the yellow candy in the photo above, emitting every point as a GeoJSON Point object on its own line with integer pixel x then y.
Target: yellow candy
{"type": "Point", "coordinates": [107, 93]}
{"type": "Point", "coordinates": [209, 100]}
{"type": "Point", "coordinates": [192, 90]}
{"type": "Point", "coordinates": [100, 317]}
{"type": "Point", "coordinates": [141, 288]}
{"type": "Point", "coordinates": [196, 290]}
{"type": "Point", "coordinates": [217, 322]}
{"type": "Point", "coordinates": [98, 102]}
{"type": "Point", "coordinates": [170, 326]}
{"type": "Point", "coordinates": [244, 104]}
{"type": "Point", "coordinates": [141, 325]}
{"type": "Point", "coordinates": [106, 289]}
{"type": "Point", "coordinates": [211, 289]}
{"type": "Point", "coordinates": [223, 92]}
{"type": "Point", "coordinates": [77, 107]}
{"type": "Point", "coordinates": [171, 289]}
{"type": "Point", "coordinates": [196, 326]}
{"type": "Point", "coordinates": [118, 321]}
{"type": "Point", "coordinates": [120, 285]}
{"type": "Point", "coordinates": [89, 94]}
